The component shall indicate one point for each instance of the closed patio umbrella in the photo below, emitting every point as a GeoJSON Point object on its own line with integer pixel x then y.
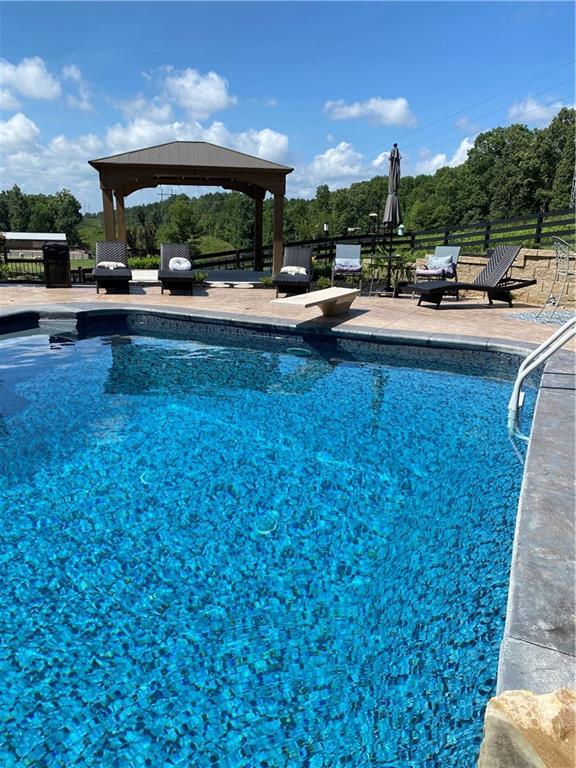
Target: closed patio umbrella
{"type": "Point", "coordinates": [392, 214]}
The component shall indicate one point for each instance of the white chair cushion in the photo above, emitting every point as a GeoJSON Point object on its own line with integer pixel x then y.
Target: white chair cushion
{"type": "Point", "coordinates": [294, 270]}
{"type": "Point", "coordinates": [179, 264]}
{"type": "Point", "coordinates": [111, 265]}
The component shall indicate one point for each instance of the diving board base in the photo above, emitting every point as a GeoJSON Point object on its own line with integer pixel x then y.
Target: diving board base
{"type": "Point", "coordinates": [332, 301]}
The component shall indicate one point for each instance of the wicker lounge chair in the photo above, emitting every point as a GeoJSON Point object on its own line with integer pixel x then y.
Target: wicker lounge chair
{"type": "Point", "coordinates": [112, 279]}
{"type": "Point", "coordinates": [172, 279]}
{"type": "Point", "coordinates": [347, 261]}
{"type": "Point", "coordinates": [299, 256]}
{"type": "Point", "coordinates": [492, 280]}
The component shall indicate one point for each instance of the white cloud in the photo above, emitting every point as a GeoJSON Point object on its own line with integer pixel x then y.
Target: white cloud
{"type": "Point", "coordinates": [533, 112]}
{"type": "Point", "coordinates": [8, 101]}
{"type": "Point", "coordinates": [338, 167]}
{"type": "Point", "coordinates": [376, 109]}
{"type": "Point", "coordinates": [341, 161]}
{"type": "Point", "coordinates": [466, 125]}
{"type": "Point", "coordinates": [200, 95]}
{"type": "Point", "coordinates": [61, 163]}
{"type": "Point", "coordinates": [82, 100]}
{"type": "Point", "coordinates": [30, 78]}
{"type": "Point", "coordinates": [143, 132]}
{"type": "Point", "coordinates": [430, 163]}
{"type": "Point", "coordinates": [154, 109]}
{"type": "Point", "coordinates": [271, 102]}
{"type": "Point", "coordinates": [17, 132]}
{"type": "Point", "coordinates": [72, 72]}
{"type": "Point", "coordinates": [381, 161]}
{"type": "Point", "coordinates": [268, 144]}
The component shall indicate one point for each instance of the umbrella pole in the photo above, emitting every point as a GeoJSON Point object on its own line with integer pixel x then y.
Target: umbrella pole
{"type": "Point", "coordinates": [389, 269]}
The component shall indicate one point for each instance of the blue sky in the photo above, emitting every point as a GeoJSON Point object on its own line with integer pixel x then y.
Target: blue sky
{"type": "Point", "coordinates": [325, 87]}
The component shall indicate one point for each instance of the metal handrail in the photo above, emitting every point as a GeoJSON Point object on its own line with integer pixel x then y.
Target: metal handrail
{"type": "Point", "coordinates": [552, 344]}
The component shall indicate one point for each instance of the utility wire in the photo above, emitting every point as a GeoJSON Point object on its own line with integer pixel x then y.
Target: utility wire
{"type": "Point", "coordinates": [368, 164]}
{"type": "Point", "coordinates": [399, 140]}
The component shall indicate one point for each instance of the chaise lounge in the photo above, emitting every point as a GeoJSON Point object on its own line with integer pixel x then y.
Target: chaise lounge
{"type": "Point", "coordinates": [296, 273]}
{"type": "Point", "coordinates": [112, 271]}
{"type": "Point", "coordinates": [175, 271]}
{"type": "Point", "coordinates": [492, 280]}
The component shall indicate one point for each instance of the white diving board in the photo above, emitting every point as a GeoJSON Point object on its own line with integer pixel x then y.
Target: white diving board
{"type": "Point", "coordinates": [332, 301]}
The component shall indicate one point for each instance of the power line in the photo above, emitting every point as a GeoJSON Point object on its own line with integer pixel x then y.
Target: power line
{"type": "Point", "coordinates": [399, 139]}
{"type": "Point", "coordinates": [368, 165]}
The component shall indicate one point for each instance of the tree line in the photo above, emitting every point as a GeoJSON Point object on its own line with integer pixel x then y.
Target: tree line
{"type": "Point", "coordinates": [510, 171]}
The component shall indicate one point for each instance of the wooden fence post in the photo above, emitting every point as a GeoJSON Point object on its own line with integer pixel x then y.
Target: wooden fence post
{"type": "Point", "coordinates": [446, 236]}
{"type": "Point", "coordinates": [539, 224]}
{"type": "Point", "coordinates": [487, 229]}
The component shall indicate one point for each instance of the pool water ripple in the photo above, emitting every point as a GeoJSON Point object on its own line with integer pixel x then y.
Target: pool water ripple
{"type": "Point", "coordinates": [241, 557]}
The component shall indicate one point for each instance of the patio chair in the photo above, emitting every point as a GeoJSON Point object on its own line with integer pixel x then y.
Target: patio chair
{"type": "Point", "coordinates": [112, 271]}
{"type": "Point", "coordinates": [492, 280]}
{"type": "Point", "coordinates": [175, 271]}
{"type": "Point", "coordinates": [347, 261]}
{"type": "Point", "coordinates": [441, 264]}
{"type": "Point", "coordinates": [296, 273]}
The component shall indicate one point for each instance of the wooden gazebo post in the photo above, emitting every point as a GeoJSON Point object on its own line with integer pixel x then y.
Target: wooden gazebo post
{"type": "Point", "coordinates": [258, 221]}
{"type": "Point", "coordinates": [278, 235]}
{"type": "Point", "coordinates": [120, 216]}
{"type": "Point", "coordinates": [108, 209]}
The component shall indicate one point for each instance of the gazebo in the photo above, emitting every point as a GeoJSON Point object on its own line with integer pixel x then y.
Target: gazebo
{"type": "Point", "coordinates": [193, 163]}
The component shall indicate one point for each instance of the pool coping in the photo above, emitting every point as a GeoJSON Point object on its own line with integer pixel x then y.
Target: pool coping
{"type": "Point", "coordinates": [538, 649]}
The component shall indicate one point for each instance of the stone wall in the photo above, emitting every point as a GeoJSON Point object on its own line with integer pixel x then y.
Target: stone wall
{"type": "Point", "coordinates": [531, 263]}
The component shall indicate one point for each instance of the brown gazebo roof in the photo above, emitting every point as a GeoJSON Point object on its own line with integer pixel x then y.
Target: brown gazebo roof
{"type": "Point", "coordinates": [194, 154]}
{"type": "Point", "coordinates": [191, 162]}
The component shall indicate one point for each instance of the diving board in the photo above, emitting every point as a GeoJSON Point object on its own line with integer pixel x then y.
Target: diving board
{"type": "Point", "coordinates": [332, 301]}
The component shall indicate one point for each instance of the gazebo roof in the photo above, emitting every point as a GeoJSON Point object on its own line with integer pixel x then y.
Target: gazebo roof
{"type": "Point", "coordinates": [190, 162]}
{"type": "Point", "coordinates": [196, 154]}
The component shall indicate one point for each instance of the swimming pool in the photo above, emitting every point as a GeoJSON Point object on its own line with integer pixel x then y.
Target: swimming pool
{"type": "Point", "coordinates": [269, 552]}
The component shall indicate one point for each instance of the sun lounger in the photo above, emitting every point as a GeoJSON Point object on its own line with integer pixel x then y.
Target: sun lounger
{"type": "Point", "coordinates": [175, 279]}
{"type": "Point", "coordinates": [296, 273]}
{"type": "Point", "coordinates": [112, 279]}
{"type": "Point", "coordinates": [492, 280]}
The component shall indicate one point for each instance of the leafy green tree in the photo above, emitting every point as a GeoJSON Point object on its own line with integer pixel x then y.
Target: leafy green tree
{"type": "Point", "coordinates": [563, 178]}
{"type": "Point", "coordinates": [18, 210]}
{"type": "Point", "coordinates": [67, 216]}
{"type": "Point", "coordinates": [42, 213]}
{"type": "Point", "coordinates": [182, 225]}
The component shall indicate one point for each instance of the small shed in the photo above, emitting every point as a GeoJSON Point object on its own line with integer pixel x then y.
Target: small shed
{"type": "Point", "coordinates": [193, 163]}
{"type": "Point", "coordinates": [31, 241]}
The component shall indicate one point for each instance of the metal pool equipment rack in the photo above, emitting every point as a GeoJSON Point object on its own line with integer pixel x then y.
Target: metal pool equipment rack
{"type": "Point", "coordinates": [533, 360]}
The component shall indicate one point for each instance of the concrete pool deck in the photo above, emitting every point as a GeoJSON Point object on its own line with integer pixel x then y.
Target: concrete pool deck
{"type": "Point", "coordinates": [539, 646]}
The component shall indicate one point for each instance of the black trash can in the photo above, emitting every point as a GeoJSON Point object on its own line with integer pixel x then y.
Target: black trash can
{"type": "Point", "coordinates": [56, 257]}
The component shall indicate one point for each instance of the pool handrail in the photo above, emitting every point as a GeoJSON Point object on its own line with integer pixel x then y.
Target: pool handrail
{"type": "Point", "coordinates": [548, 347]}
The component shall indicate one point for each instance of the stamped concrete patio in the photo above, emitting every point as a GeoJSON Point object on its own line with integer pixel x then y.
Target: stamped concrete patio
{"type": "Point", "coordinates": [469, 317]}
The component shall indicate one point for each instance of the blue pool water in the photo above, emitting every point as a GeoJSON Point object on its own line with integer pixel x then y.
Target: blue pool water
{"type": "Point", "coordinates": [234, 557]}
